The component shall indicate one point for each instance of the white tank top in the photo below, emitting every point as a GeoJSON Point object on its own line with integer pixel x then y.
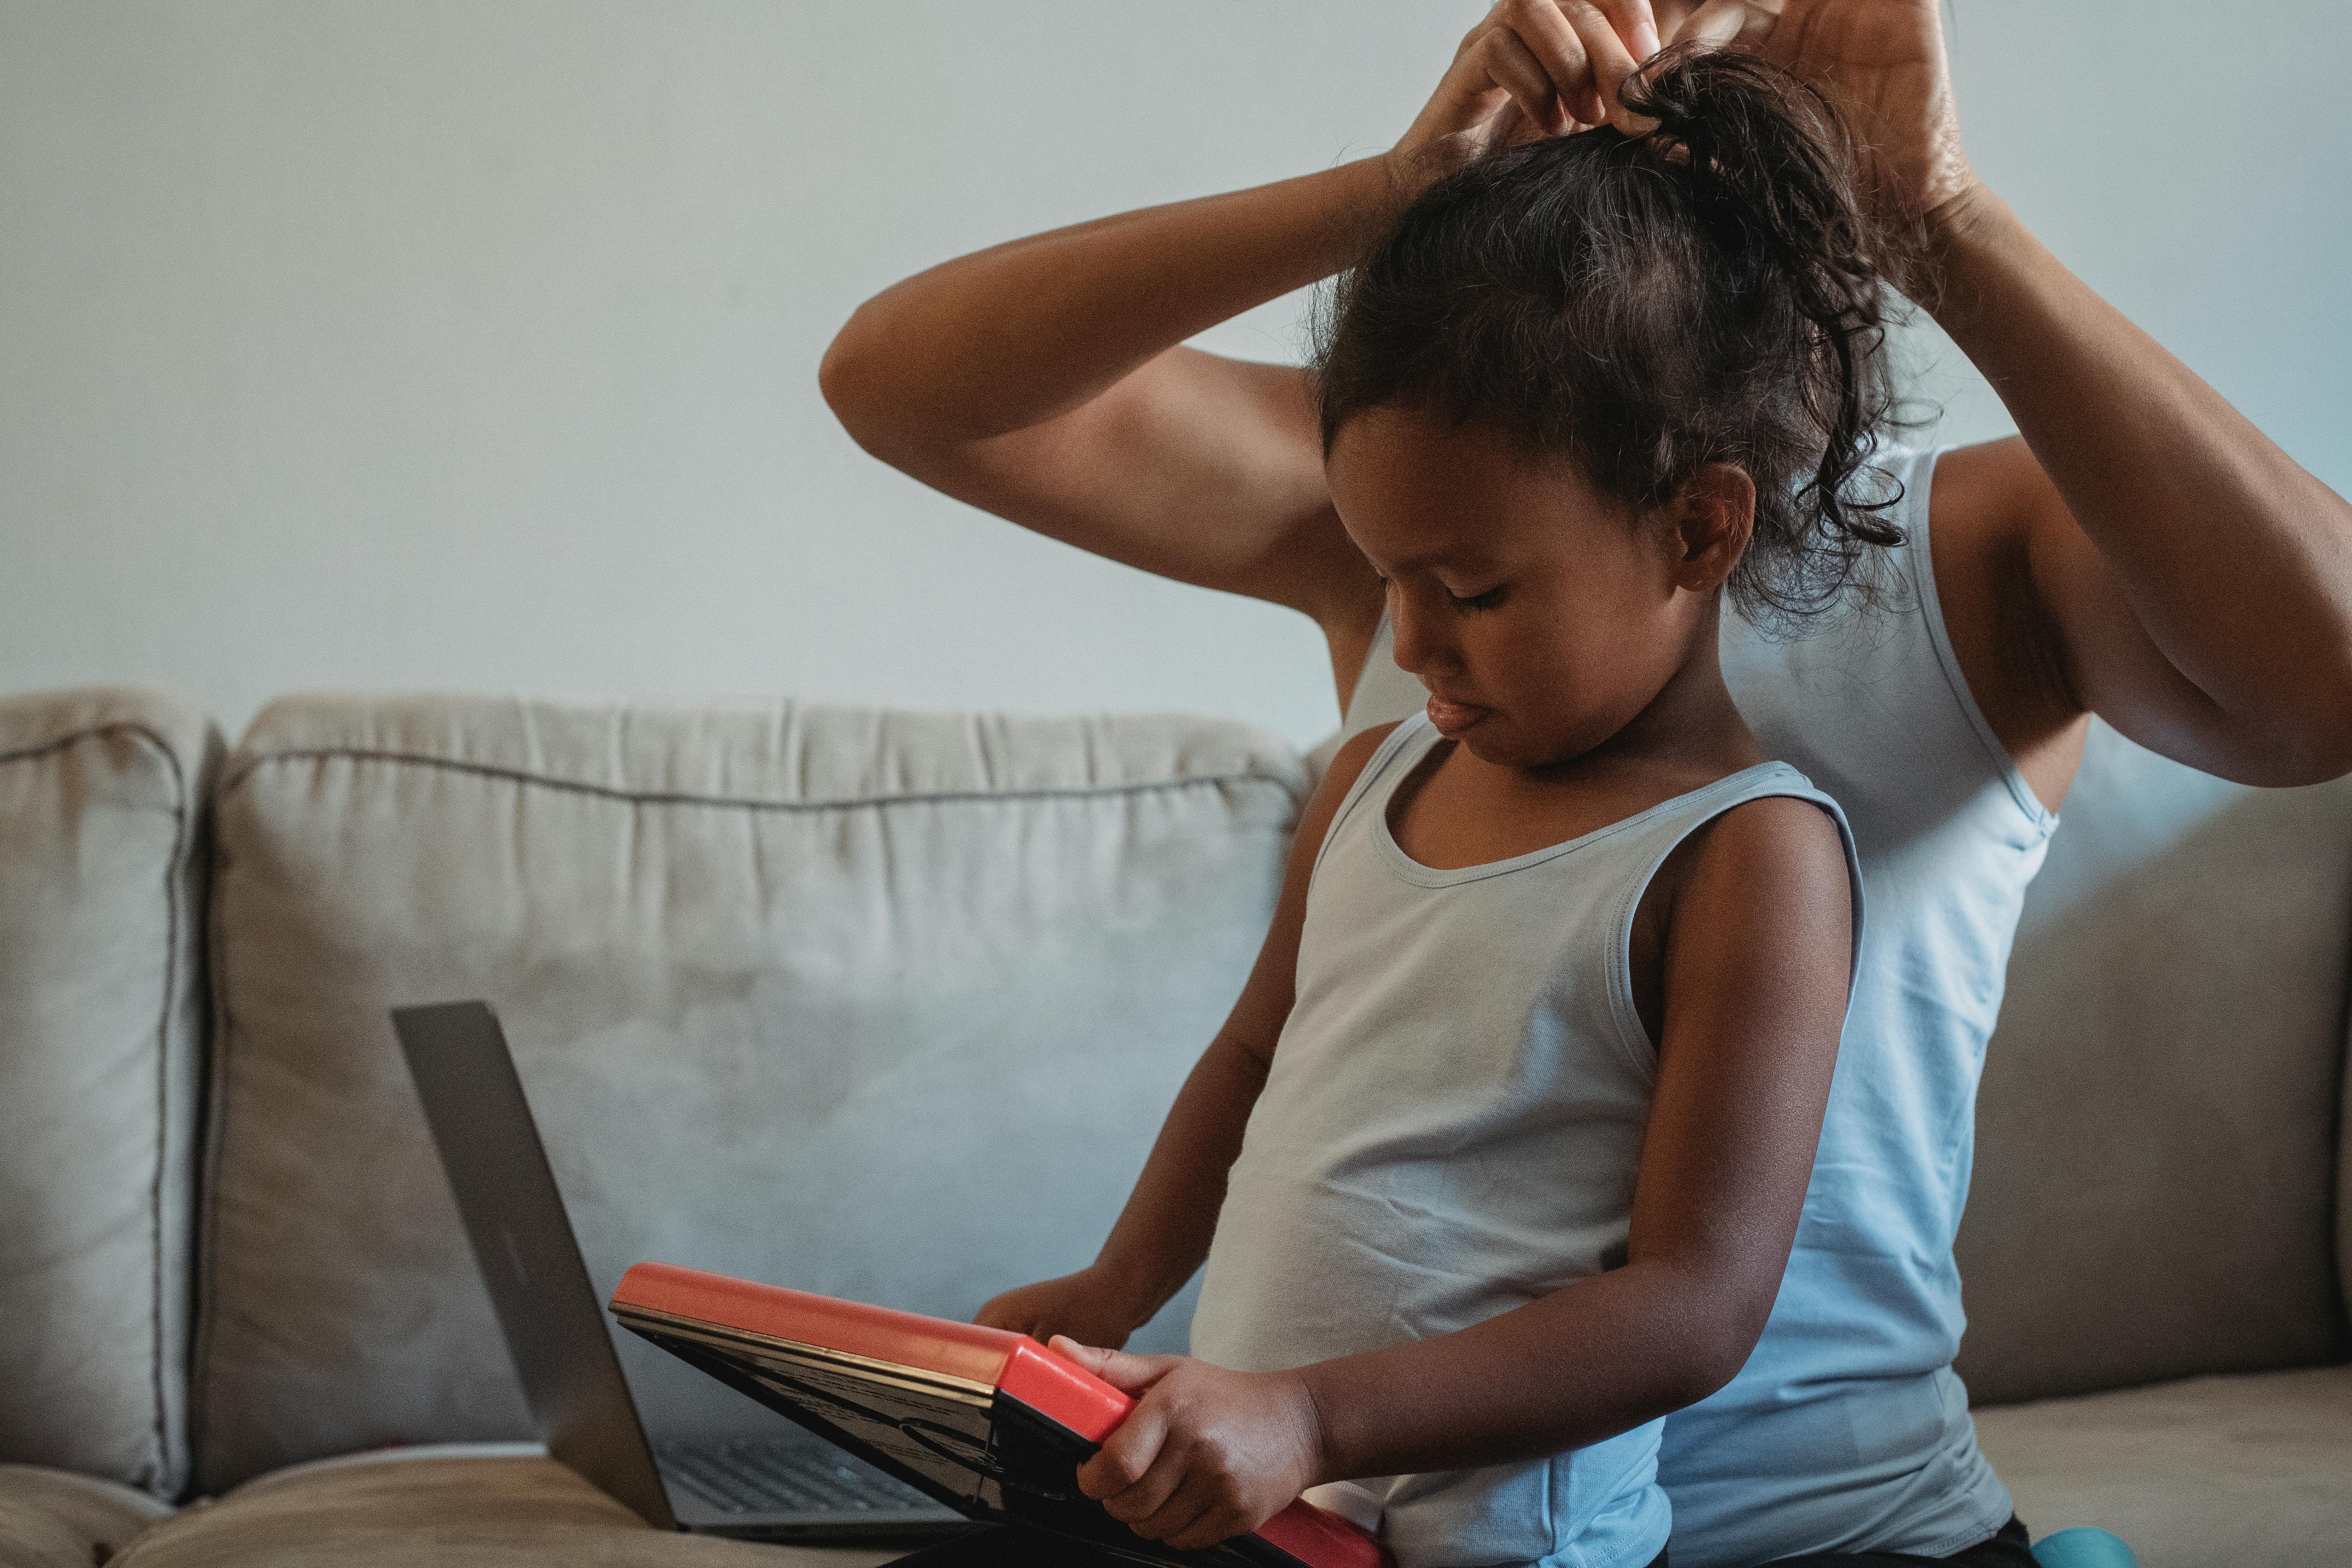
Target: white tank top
{"type": "Point", "coordinates": [1847, 1430]}
{"type": "Point", "coordinates": [1450, 1129]}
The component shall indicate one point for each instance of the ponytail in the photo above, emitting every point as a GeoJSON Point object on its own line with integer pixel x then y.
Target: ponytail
{"type": "Point", "coordinates": [1772, 176]}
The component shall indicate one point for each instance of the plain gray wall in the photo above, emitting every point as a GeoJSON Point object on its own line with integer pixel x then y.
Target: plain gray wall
{"type": "Point", "coordinates": [473, 345]}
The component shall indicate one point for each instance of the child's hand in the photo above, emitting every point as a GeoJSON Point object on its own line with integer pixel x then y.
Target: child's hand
{"type": "Point", "coordinates": [1206, 1454]}
{"type": "Point", "coordinates": [1087, 1305]}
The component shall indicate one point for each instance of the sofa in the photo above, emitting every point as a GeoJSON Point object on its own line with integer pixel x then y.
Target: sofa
{"type": "Point", "coordinates": [889, 1006]}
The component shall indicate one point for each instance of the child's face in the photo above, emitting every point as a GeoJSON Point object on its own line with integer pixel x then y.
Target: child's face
{"type": "Point", "coordinates": [1541, 615]}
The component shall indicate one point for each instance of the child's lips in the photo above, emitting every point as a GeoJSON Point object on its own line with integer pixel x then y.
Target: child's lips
{"type": "Point", "coordinates": [1451, 717]}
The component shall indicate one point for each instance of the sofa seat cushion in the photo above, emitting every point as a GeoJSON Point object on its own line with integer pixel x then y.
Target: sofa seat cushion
{"type": "Point", "coordinates": [882, 1005]}
{"type": "Point", "coordinates": [55, 1518]}
{"type": "Point", "coordinates": [2156, 1137]}
{"type": "Point", "coordinates": [443, 1511]}
{"type": "Point", "coordinates": [101, 794]}
{"type": "Point", "coordinates": [2254, 1472]}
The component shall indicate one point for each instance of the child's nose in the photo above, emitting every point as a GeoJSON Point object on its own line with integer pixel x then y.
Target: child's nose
{"type": "Point", "coordinates": [1421, 646]}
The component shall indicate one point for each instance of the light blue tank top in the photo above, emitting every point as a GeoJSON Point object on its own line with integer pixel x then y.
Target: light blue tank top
{"type": "Point", "coordinates": [1847, 1430]}
{"type": "Point", "coordinates": [1450, 1129]}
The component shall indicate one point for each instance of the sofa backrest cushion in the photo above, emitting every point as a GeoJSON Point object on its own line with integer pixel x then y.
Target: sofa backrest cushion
{"type": "Point", "coordinates": [100, 808]}
{"type": "Point", "coordinates": [876, 1004]}
{"type": "Point", "coordinates": [2156, 1137]}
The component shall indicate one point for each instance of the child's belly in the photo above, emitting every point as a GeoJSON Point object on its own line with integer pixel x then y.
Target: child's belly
{"type": "Point", "coordinates": [1309, 1268]}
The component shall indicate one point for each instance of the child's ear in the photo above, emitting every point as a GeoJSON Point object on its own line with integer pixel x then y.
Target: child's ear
{"type": "Point", "coordinates": [1710, 519]}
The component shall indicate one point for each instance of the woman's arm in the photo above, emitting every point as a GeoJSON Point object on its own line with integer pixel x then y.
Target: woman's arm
{"type": "Point", "coordinates": [2142, 552]}
{"type": "Point", "coordinates": [1758, 943]}
{"type": "Point", "coordinates": [2178, 574]}
{"type": "Point", "coordinates": [1163, 1233]}
{"type": "Point", "coordinates": [1046, 381]}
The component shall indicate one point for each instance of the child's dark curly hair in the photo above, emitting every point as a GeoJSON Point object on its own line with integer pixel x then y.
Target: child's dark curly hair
{"type": "Point", "coordinates": [1707, 293]}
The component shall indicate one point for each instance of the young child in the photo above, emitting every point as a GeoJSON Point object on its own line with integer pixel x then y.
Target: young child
{"type": "Point", "coordinates": [1500, 1155]}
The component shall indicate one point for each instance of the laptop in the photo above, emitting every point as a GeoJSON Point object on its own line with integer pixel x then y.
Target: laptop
{"type": "Point", "coordinates": [791, 1486]}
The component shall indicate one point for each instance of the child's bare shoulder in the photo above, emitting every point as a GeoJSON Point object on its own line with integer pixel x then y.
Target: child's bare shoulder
{"type": "Point", "coordinates": [1773, 852]}
{"type": "Point", "coordinates": [1348, 763]}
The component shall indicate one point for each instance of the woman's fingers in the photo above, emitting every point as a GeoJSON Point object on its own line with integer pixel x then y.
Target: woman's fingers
{"type": "Point", "coordinates": [1635, 24]}
{"type": "Point", "coordinates": [1585, 49]}
{"type": "Point", "coordinates": [1725, 24]}
{"type": "Point", "coordinates": [1544, 35]}
{"type": "Point", "coordinates": [1479, 29]}
{"type": "Point", "coordinates": [1612, 60]}
{"type": "Point", "coordinates": [1514, 68]}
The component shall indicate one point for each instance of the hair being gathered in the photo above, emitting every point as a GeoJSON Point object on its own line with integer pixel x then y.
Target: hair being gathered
{"type": "Point", "coordinates": [1706, 293]}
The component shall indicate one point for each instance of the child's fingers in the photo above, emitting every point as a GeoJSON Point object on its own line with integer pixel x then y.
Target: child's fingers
{"type": "Point", "coordinates": [1199, 1514]}
{"type": "Point", "coordinates": [1165, 1500]}
{"type": "Point", "coordinates": [1128, 1373]}
{"type": "Point", "coordinates": [1122, 1475]}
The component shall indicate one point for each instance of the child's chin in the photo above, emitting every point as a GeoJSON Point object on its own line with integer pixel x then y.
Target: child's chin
{"type": "Point", "coordinates": [1496, 749]}
{"type": "Point", "coordinates": [1501, 747]}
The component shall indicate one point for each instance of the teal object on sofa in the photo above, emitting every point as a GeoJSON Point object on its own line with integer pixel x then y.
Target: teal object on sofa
{"type": "Point", "coordinates": [2084, 1548]}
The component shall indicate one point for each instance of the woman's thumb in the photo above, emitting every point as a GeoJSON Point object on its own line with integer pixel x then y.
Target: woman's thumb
{"type": "Point", "coordinates": [1128, 1373]}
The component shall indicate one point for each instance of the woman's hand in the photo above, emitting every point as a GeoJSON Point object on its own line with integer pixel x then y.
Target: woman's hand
{"type": "Point", "coordinates": [1883, 63]}
{"type": "Point", "coordinates": [1206, 1454]}
{"type": "Point", "coordinates": [1531, 69]}
{"type": "Point", "coordinates": [1089, 1306]}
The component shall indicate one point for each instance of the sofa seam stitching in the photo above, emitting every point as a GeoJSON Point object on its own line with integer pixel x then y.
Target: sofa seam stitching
{"type": "Point", "coordinates": [205, 1250]}
{"type": "Point", "coordinates": [132, 726]}
{"type": "Point", "coordinates": [171, 901]}
{"type": "Point", "coordinates": [683, 797]}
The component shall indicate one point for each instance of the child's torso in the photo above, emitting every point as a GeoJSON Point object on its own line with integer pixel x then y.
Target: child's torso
{"type": "Point", "coordinates": [1450, 1129]}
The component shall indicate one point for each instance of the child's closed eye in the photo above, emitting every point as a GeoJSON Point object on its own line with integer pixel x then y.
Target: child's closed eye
{"type": "Point", "coordinates": [1471, 603]}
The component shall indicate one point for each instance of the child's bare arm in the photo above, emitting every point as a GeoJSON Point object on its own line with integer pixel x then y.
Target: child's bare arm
{"type": "Point", "coordinates": [1163, 1233]}
{"type": "Point", "coordinates": [1758, 954]}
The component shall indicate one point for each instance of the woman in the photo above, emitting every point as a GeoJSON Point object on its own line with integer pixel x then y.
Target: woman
{"type": "Point", "coordinates": [2139, 552]}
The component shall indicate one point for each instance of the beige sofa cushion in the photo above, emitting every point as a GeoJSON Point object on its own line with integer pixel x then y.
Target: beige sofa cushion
{"type": "Point", "coordinates": [54, 1519]}
{"type": "Point", "coordinates": [101, 797]}
{"type": "Point", "coordinates": [2156, 1136]}
{"type": "Point", "coordinates": [878, 1004]}
{"type": "Point", "coordinates": [450, 1511]}
{"type": "Point", "coordinates": [2249, 1472]}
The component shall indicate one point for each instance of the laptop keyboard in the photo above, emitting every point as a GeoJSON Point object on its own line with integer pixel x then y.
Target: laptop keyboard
{"type": "Point", "coordinates": [756, 1475]}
